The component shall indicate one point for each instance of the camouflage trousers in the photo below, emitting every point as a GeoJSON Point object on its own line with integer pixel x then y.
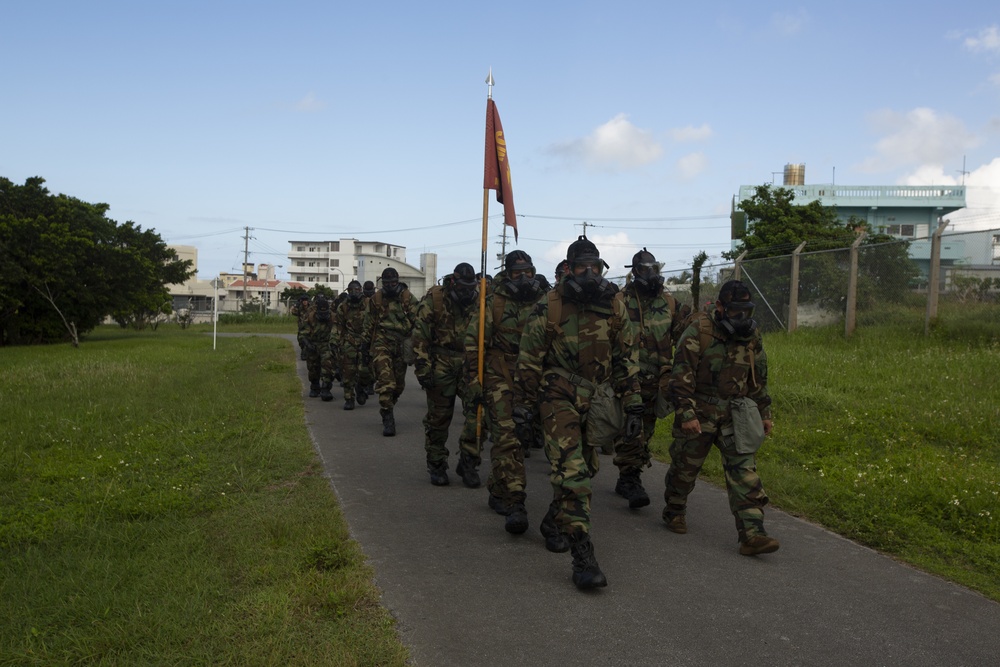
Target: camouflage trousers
{"type": "Point", "coordinates": [319, 363]}
{"type": "Point", "coordinates": [350, 365]}
{"type": "Point", "coordinates": [563, 409]}
{"type": "Point", "coordinates": [449, 384]}
{"type": "Point", "coordinates": [507, 478]}
{"type": "Point", "coordinates": [746, 492]}
{"type": "Point", "coordinates": [631, 456]}
{"type": "Point", "coordinates": [390, 371]}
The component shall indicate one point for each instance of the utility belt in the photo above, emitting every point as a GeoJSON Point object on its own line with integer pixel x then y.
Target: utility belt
{"type": "Point", "coordinates": [572, 377]}
{"type": "Point", "coordinates": [713, 400]}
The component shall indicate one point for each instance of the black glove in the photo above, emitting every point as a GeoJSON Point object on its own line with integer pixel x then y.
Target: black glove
{"type": "Point", "coordinates": [633, 423]}
{"type": "Point", "coordinates": [523, 424]}
{"type": "Point", "coordinates": [366, 357]}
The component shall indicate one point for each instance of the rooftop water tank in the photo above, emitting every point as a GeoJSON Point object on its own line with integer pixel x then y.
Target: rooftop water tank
{"type": "Point", "coordinates": [795, 174]}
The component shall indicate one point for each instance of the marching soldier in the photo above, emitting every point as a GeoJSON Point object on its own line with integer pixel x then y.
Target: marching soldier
{"type": "Point", "coordinates": [387, 324]}
{"type": "Point", "coordinates": [319, 360]}
{"type": "Point", "coordinates": [350, 320]}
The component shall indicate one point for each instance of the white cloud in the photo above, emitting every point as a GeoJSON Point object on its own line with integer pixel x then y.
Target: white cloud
{"type": "Point", "coordinates": [616, 145]}
{"type": "Point", "coordinates": [982, 194]}
{"type": "Point", "coordinates": [691, 133]}
{"type": "Point", "coordinates": [310, 103]}
{"type": "Point", "coordinates": [986, 41]}
{"type": "Point", "coordinates": [691, 165]}
{"type": "Point", "coordinates": [789, 23]}
{"type": "Point", "coordinates": [920, 136]}
{"type": "Point", "coordinates": [616, 250]}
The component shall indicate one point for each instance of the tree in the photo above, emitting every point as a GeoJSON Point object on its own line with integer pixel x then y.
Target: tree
{"type": "Point", "coordinates": [65, 266]}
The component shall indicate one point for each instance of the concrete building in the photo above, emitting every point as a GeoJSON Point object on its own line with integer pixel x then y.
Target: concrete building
{"type": "Point", "coordinates": [909, 212]}
{"type": "Point", "coordinates": [336, 263]}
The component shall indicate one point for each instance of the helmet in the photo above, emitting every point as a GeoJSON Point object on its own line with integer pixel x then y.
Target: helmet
{"type": "Point", "coordinates": [461, 285]}
{"type": "Point", "coordinates": [368, 289]}
{"type": "Point", "coordinates": [521, 278]}
{"type": "Point", "coordinates": [645, 272]}
{"type": "Point", "coordinates": [734, 310]}
{"type": "Point", "coordinates": [390, 282]}
{"type": "Point", "coordinates": [582, 249]}
{"type": "Point", "coordinates": [354, 291]}
{"type": "Point", "coordinates": [322, 305]}
{"type": "Point", "coordinates": [586, 281]}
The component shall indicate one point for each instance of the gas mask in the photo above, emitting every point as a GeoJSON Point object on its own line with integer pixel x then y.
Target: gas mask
{"type": "Point", "coordinates": [736, 319]}
{"type": "Point", "coordinates": [391, 288]}
{"type": "Point", "coordinates": [647, 278]}
{"type": "Point", "coordinates": [322, 310]}
{"type": "Point", "coordinates": [523, 284]}
{"type": "Point", "coordinates": [462, 292]}
{"type": "Point", "coordinates": [585, 281]}
{"type": "Point", "coordinates": [354, 293]}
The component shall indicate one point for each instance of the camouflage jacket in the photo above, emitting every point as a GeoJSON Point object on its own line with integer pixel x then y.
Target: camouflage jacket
{"type": "Point", "coordinates": [503, 325]}
{"type": "Point", "coordinates": [710, 367]}
{"type": "Point", "coordinates": [390, 320]}
{"type": "Point", "coordinates": [349, 320]}
{"type": "Point", "coordinates": [594, 340]}
{"type": "Point", "coordinates": [440, 329]}
{"type": "Point", "coordinates": [654, 320]}
{"type": "Point", "coordinates": [315, 330]}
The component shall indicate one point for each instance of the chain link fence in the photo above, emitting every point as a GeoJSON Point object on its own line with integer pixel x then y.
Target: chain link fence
{"type": "Point", "coordinates": [919, 283]}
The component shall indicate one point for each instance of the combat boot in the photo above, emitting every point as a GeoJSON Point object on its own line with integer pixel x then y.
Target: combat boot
{"type": "Point", "coordinates": [313, 389]}
{"type": "Point", "coordinates": [302, 353]}
{"type": "Point", "coordinates": [758, 544]}
{"type": "Point", "coordinates": [468, 472]}
{"type": "Point", "coordinates": [439, 473]}
{"type": "Point", "coordinates": [629, 487]}
{"type": "Point", "coordinates": [361, 394]}
{"type": "Point", "coordinates": [586, 572]}
{"type": "Point", "coordinates": [325, 393]}
{"type": "Point", "coordinates": [498, 505]}
{"type": "Point", "coordinates": [388, 422]}
{"type": "Point", "coordinates": [555, 541]}
{"type": "Point", "coordinates": [517, 516]}
{"type": "Point", "coordinates": [676, 523]}
{"type": "Point", "coordinates": [349, 404]}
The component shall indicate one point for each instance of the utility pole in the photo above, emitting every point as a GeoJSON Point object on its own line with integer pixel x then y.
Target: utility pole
{"type": "Point", "coordinates": [503, 247]}
{"type": "Point", "coordinates": [246, 253]}
{"type": "Point", "coordinates": [963, 172]}
{"type": "Point", "coordinates": [585, 228]}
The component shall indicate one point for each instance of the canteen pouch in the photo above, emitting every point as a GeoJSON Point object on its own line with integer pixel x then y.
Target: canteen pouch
{"type": "Point", "coordinates": [748, 427]}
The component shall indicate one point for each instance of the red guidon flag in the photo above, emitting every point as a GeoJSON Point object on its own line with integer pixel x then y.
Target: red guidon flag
{"type": "Point", "coordinates": [497, 166]}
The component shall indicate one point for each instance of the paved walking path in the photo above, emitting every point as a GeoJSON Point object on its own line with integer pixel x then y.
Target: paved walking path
{"type": "Point", "coordinates": [466, 593]}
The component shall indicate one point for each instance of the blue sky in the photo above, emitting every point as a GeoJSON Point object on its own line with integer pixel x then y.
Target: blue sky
{"type": "Point", "coordinates": [321, 120]}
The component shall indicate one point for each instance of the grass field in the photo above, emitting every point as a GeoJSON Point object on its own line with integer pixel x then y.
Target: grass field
{"type": "Point", "coordinates": [161, 503]}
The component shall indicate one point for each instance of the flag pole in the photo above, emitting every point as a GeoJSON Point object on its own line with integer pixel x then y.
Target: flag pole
{"type": "Point", "coordinates": [482, 281]}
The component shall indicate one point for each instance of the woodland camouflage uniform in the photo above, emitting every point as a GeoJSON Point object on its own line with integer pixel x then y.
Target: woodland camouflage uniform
{"type": "Point", "coordinates": [558, 367]}
{"type": "Point", "coordinates": [301, 312]}
{"type": "Point", "coordinates": [387, 325]}
{"type": "Point", "coordinates": [712, 366]}
{"type": "Point", "coordinates": [656, 316]}
{"type": "Point", "coordinates": [319, 356]}
{"type": "Point", "coordinates": [443, 317]}
{"type": "Point", "coordinates": [508, 307]}
{"type": "Point", "coordinates": [350, 324]}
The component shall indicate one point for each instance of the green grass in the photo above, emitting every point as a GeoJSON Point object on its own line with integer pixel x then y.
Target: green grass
{"type": "Point", "coordinates": [890, 439]}
{"type": "Point", "coordinates": [161, 503]}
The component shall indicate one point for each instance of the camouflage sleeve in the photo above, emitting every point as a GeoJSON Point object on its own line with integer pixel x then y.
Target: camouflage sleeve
{"type": "Point", "coordinates": [423, 330]}
{"type": "Point", "coordinates": [410, 311]}
{"type": "Point", "coordinates": [534, 346]}
{"type": "Point", "coordinates": [368, 324]}
{"type": "Point", "coordinates": [625, 358]}
{"type": "Point", "coordinates": [684, 374]}
{"type": "Point", "coordinates": [758, 389]}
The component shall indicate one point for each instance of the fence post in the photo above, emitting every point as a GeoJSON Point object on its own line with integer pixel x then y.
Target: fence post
{"type": "Point", "coordinates": [934, 277]}
{"type": "Point", "coordinates": [793, 292]}
{"type": "Point", "coordinates": [738, 267]}
{"type": "Point", "coordinates": [851, 316]}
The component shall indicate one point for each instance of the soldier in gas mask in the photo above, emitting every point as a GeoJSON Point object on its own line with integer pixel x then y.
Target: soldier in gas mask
{"type": "Point", "coordinates": [719, 387]}
{"type": "Point", "coordinates": [515, 294]}
{"type": "Point", "coordinates": [578, 349]}
{"type": "Point", "coordinates": [350, 320]}
{"type": "Point", "coordinates": [443, 317]}
{"type": "Point", "coordinates": [388, 323]}
{"type": "Point", "coordinates": [319, 357]}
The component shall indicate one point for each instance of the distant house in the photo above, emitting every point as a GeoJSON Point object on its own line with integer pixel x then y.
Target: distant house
{"type": "Point", "coordinates": [336, 263]}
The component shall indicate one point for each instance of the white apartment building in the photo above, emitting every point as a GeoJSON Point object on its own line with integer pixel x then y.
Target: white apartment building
{"type": "Point", "coordinates": [336, 263]}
